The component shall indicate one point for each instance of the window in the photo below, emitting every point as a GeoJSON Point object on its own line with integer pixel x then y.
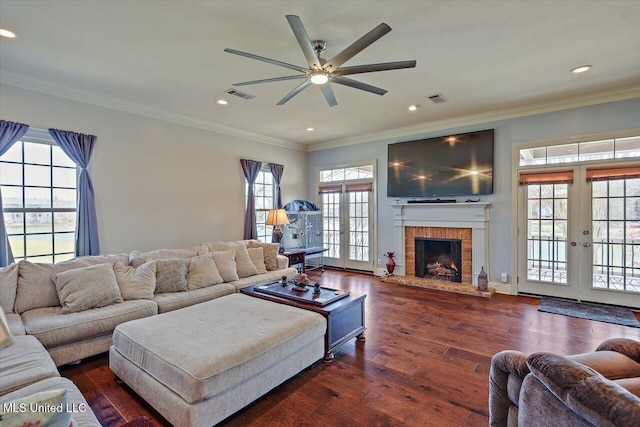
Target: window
{"type": "Point", "coordinates": [39, 198]}
{"type": "Point", "coordinates": [264, 195]}
{"type": "Point", "coordinates": [614, 148]}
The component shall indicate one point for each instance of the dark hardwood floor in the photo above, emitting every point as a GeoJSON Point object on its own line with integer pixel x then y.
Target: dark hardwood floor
{"type": "Point", "coordinates": [425, 362]}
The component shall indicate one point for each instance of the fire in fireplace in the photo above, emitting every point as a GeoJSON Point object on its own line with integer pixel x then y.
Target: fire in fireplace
{"type": "Point", "coordinates": [439, 259]}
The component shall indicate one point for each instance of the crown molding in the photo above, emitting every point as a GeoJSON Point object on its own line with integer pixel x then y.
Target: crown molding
{"type": "Point", "coordinates": [492, 116]}
{"type": "Point", "coordinates": [118, 104]}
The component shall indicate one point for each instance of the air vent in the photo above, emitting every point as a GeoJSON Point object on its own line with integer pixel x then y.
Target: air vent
{"type": "Point", "coordinates": [437, 99]}
{"type": "Point", "coordinates": [239, 94]}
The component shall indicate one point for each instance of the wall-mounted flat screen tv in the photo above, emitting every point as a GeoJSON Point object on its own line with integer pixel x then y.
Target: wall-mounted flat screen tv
{"type": "Point", "coordinates": [452, 165]}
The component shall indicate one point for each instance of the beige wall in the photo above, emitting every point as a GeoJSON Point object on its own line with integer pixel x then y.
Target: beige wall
{"type": "Point", "coordinates": [158, 184]}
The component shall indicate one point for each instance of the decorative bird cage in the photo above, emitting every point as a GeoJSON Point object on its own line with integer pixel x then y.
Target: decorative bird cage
{"type": "Point", "coordinates": [304, 230]}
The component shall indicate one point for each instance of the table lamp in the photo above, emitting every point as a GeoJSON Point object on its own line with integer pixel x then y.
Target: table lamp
{"type": "Point", "coordinates": [277, 217]}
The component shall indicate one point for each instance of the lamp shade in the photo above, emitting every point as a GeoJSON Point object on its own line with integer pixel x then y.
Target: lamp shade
{"type": "Point", "coordinates": [277, 217]}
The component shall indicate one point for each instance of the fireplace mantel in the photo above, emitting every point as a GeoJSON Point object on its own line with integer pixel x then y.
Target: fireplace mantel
{"type": "Point", "coordinates": [473, 215]}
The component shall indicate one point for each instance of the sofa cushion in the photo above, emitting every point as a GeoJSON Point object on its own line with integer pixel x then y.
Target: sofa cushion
{"type": "Point", "coordinates": [15, 324]}
{"type": "Point", "coordinates": [87, 287]}
{"type": "Point", "coordinates": [24, 363]}
{"type": "Point", "coordinates": [171, 275]}
{"type": "Point", "coordinates": [136, 283]}
{"type": "Point", "coordinates": [270, 253]}
{"type": "Point", "coordinates": [226, 263]}
{"type": "Point", "coordinates": [175, 300]}
{"type": "Point", "coordinates": [257, 258]}
{"type": "Point", "coordinates": [610, 364]}
{"type": "Point", "coordinates": [83, 416]}
{"type": "Point", "coordinates": [6, 334]}
{"type": "Point", "coordinates": [43, 410]}
{"type": "Point", "coordinates": [8, 287]}
{"type": "Point", "coordinates": [37, 290]}
{"type": "Point", "coordinates": [244, 266]}
{"type": "Point", "coordinates": [52, 328]}
{"type": "Point", "coordinates": [136, 258]}
{"type": "Point", "coordinates": [203, 272]}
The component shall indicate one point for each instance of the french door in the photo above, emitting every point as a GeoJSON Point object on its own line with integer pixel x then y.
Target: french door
{"type": "Point", "coordinates": [579, 233]}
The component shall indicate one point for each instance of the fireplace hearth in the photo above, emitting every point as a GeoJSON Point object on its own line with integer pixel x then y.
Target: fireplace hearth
{"type": "Point", "coordinates": [439, 259]}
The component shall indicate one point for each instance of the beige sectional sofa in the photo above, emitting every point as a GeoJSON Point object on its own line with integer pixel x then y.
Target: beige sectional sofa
{"type": "Point", "coordinates": [44, 303]}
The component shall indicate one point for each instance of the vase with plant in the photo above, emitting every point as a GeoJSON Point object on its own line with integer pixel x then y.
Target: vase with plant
{"type": "Point", "coordinates": [391, 264]}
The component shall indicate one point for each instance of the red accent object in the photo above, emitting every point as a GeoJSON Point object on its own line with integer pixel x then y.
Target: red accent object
{"type": "Point", "coordinates": [391, 264]}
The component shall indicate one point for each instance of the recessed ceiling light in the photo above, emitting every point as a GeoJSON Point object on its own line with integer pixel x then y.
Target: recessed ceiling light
{"type": "Point", "coordinates": [310, 129]}
{"type": "Point", "coordinates": [8, 34]}
{"type": "Point", "coordinates": [222, 101]}
{"type": "Point", "coordinates": [581, 69]}
{"type": "Point", "coordinates": [413, 107]}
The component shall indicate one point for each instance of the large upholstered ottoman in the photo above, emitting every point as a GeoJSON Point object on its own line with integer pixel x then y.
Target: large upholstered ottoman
{"type": "Point", "coordinates": [200, 364]}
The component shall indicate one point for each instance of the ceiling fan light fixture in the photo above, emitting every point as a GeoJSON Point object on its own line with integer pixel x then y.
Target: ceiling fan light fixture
{"type": "Point", "coordinates": [319, 78]}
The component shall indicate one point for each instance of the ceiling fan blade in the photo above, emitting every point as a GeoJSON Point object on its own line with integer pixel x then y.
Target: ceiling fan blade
{"type": "Point", "coordinates": [370, 68]}
{"type": "Point", "coordinates": [294, 92]}
{"type": "Point", "coordinates": [328, 94]}
{"type": "Point", "coordinates": [269, 60]}
{"type": "Point", "coordinates": [357, 46]}
{"type": "Point", "coordinates": [358, 85]}
{"type": "Point", "coordinates": [303, 41]}
{"type": "Point", "coordinates": [275, 79]}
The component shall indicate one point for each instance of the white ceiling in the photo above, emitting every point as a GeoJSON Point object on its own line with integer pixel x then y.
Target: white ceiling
{"type": "Point", "coordinates": [165, 59]}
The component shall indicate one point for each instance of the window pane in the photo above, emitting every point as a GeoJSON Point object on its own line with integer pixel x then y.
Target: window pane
{"type": "Point", "coordinates": [533, 156]}
{"type": "Point", "coordinates": [562, 153]}
{"type": "Point", "coordinates": [13, 222]}
{"type": "Point", "coordinates": [11, 197]}
{"type": "Point", "coordinates": [14, 154]}
{"type": "Point", "coordinates": [64, 221]}
{"type": "Point", "coordinates": [39, 244]}
{"type": "Point", "coordinates": [63, 257]}
{"type": "Point", "coordinates": [38, 222]}
{"type": "Point", "coordinates": [37, 153]}
{"type": "Point", "coordinates": [351, 173]}
{"type": "Point", "coordinates": [64, 242]}
{"type": "Point", "coordinates": [64, 198]}
{"type": "Point", "coordinates": [10, 174]}
{"type": "Point", "coordinates": [17, 246]}
{"type": "Point", "coordinates": [37, 197]}
{"type": "Point", "coordinates": [596, 150]}
{"type": "Point", "coordinates": [627, 147]}
{"type": "Point", "coordinates": [37, 175]}
{"type": "Point", "coordinates": [61, 159]}
{"type": "Point", "coordinates": [64, 177]}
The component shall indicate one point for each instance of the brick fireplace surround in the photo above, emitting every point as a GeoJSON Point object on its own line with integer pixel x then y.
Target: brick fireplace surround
{"type": "Point", "coordinates": [464, 234]}
{"type": "Point", "coordinates": [468, 222]}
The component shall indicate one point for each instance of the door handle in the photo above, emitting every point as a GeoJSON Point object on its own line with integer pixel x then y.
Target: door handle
{"type": "Point", "coordinates": [586, 245]}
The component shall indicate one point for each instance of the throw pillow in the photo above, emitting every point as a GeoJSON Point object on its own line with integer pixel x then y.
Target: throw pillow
{"type": "Point", "coordinates": [6, 337]}
{"type": "Point", "coordinates": [226, 263]}
{"type": "Point", "coordinates": [257, 258]}
{"type": "Point", "coordinates": [203, 272]}
{"type": "Point", "coordinates": [136, 283]}
{"type": "Point", "coordinates": [244, 266]}
{"type": "Point", "coordinates": [87, 287]}
{"type": "Point", "coordinates": [46, 408]}
{"type": "Point", "coordinates": [270, 253]}
{"type": "Point", "coordinates": [171, 275]}
{"type": "Point", "coordinates": [8, 287]}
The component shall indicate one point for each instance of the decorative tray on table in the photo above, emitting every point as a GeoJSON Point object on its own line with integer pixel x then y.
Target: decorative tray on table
{"type": "Point", "coordinates": [301, 293]}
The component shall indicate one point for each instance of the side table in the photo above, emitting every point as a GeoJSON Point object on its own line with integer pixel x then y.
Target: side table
{"type": "Point", "coordinates": [295, 258]}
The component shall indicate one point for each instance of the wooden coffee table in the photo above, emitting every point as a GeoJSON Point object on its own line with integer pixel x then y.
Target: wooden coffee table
{"type": "Point", "coordinates": [345, 316]}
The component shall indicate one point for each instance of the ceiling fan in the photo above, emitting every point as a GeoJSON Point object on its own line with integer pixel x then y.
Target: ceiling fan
{"type": "Point", "coordinates": [322, 72]}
